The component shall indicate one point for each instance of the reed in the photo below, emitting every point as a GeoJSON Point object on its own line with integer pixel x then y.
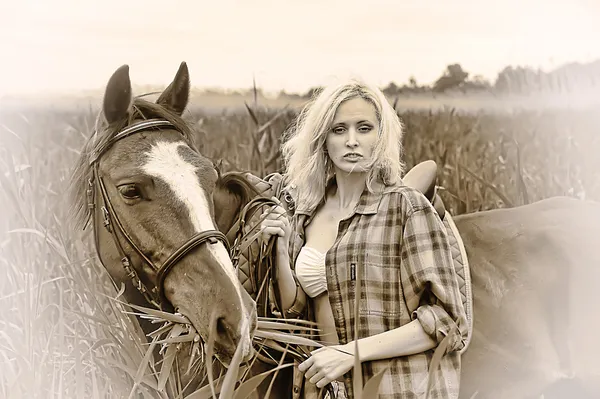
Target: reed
{"type": "Point", "coordinates": [63, 334]}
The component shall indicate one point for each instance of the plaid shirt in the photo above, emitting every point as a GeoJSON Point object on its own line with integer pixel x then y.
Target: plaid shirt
{"type": "Point", "coordinates": [397, 244]}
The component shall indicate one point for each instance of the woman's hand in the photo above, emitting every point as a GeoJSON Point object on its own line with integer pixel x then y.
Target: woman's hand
{"type": "Point", "coordinates": [327, 364]}
{"type": "Point", "coordinates": [276, 223]}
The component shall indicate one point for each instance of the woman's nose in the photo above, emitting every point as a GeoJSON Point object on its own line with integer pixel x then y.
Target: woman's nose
{"type": "Point", "coordinates": [351, 142]}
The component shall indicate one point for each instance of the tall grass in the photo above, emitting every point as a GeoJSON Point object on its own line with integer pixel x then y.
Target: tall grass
{"type": "Point", "coordinates": [60, 336]}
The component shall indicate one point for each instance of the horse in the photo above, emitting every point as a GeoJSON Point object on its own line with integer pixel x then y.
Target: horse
{"type": "Point", "coordinates": [533, 268]}
{"type": "Point", "coordinates": [534, 271]}
{"type": "Point", "coordinates": [148, 194]}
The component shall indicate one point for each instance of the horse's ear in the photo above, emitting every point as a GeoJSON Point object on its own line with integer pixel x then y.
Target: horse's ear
{"type": "Point", "coordinates": [177, 94]}
{"type": "Point", "coordinates": [117, 97]}
{"type": "Point", "coordinates": [219, 168]}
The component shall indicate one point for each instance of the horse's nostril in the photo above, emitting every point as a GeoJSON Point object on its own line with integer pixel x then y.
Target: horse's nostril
{"type": "Point", "coordinates": [222, 329]}
{"type": "Point", "coordinates": [221, 325]}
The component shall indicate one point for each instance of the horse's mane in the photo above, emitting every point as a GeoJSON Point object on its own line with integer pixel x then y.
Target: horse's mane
{"type": "Point", "coordinates": [103, 133]}
{"type": "Point", "coordinates": [237, 183]}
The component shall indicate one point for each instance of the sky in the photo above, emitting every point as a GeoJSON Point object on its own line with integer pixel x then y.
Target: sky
{"type": "Point", "coordinates": [70, 45]}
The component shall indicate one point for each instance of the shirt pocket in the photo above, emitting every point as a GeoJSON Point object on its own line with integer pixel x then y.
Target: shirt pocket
{"type": "Point", "coordinates": [382, 293]}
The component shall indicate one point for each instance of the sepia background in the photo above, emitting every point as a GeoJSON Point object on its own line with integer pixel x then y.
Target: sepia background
{"type": "Point", "coordinates": [502, 95]}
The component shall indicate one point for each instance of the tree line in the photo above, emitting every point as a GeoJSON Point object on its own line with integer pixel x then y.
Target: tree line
{"type": "Point", "coordinates": [510, 80]}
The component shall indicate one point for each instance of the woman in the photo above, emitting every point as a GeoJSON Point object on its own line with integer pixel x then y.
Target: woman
{"type": "Point", "coordinates": [354, 221]}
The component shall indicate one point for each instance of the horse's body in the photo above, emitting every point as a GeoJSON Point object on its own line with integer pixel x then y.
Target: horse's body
{"type": "Point", "coordinates": [535, 271]}
{"type": "Point", "coordinates": [533, 268]}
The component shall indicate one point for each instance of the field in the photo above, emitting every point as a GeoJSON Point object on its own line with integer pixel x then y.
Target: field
{"type": "Point", "coordinates": [59, 334]}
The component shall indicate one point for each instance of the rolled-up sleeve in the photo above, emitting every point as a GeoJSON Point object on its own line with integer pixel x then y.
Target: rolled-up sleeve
{"type": "Point", "coordinates": [429, 280]}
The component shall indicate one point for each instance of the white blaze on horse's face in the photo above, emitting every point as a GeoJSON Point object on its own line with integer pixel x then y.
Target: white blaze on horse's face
{"type": "Point", "coordinates": [166, 163]}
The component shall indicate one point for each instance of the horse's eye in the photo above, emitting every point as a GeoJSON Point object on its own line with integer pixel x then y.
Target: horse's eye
{"type": "Point", "coordinates": [130, 191]}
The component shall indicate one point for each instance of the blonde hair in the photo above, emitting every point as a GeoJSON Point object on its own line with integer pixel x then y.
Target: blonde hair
{"type": "Point", "coordinates": [308, 167]}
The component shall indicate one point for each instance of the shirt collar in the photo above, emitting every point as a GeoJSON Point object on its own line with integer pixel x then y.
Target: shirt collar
{"type": "Point", "coordinates": [367, 205]}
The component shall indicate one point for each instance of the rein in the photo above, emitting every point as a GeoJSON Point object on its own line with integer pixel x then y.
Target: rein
{"type": "Point", "coordinates": [262, 272]}
{"type": "Point", "coordinates": [156, 295]}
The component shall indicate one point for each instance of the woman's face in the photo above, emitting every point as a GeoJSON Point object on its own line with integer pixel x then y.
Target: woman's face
{"type": "Point", "coordinates": [352, 136]}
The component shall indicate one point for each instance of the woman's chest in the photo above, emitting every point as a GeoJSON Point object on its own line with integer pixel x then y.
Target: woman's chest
{"type": "Point", "coordinates": [333, 228]}
{"type": "Point", "coordinates": [323, 230]}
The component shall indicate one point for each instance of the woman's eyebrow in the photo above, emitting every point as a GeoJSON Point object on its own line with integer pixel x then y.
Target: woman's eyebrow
{"type": "Point", "coordinates": [358, 122]}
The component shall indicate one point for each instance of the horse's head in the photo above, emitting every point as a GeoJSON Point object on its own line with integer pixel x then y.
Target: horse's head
{"type": "Point", "coordinates": [151, 205]}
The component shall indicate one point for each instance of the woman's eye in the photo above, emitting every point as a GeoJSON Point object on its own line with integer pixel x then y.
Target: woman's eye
{"type": "Point", "coordinates": [130, 191]}
{"type": "Point", "coordinates": [338, 130]}
{"type": "Point", "coordinates": [365, 128]}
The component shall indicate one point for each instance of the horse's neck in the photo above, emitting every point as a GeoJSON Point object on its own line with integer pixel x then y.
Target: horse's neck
{"type": "Point", "coordinates": [227, 207]}
{"type": "Point", "coordinates": [229, 197]}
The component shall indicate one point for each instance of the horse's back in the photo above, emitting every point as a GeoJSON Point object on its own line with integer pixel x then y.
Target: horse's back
{"type": "Point", "coordinates": [534, 270]}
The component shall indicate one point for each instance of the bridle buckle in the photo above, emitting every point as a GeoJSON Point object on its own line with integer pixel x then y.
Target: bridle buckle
{"type": "Point", "coordinates": [106, 217]}
{"type": "Point", "coordinates": [90, 194]}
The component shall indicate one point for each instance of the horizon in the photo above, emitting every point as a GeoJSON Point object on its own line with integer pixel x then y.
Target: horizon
{"type": "Point", "coordinates": [75, 47]}
{"type": "Point", "coordinates": [232, 91]}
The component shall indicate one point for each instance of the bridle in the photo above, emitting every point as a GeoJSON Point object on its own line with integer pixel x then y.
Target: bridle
{"type": "Point", "coordinates": [111, 222]}
{"type": "Point", "coordinates": [237, 234]}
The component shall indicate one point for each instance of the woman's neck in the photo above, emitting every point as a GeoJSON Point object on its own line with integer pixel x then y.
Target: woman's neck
{"type": "Point", "coordinates": [349, 189]}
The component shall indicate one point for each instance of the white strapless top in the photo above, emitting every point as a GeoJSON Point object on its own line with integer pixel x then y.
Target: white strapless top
{"type": "Point", "coordinates": [310, 271]}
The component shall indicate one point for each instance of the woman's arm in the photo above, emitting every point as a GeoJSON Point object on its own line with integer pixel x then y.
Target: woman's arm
{"type": "Point", "coordinates": [331, 362]}
{"type": "Point", "coordinates": [293, 297]}
{"type": "Point", "coordinates": [429, 280]}
{"type": "Point", "coordinates": [407, 340]}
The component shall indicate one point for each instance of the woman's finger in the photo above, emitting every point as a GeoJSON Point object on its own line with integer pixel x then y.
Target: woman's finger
{"type": "Point", "coordinates": [306, 364]}
{"type": "Point", "coordinates": [274, 223]}
{"type": "Point", "coordinates": [318, 376]}
{"type": "Point", "coordinates": [274, 213]}
{"type": "Point", "coordinates": [276, 200]}
{"type": "Point", "coordinates": [278, 209]}
{"type": "Point", "coordinates": [279, 222]}
{"type": "Point", "coordinates": [312, 371]}
{"type": "Point", "coordinates": [274, 231]}
{"type": "Point", "coordinates": [322, 382]}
